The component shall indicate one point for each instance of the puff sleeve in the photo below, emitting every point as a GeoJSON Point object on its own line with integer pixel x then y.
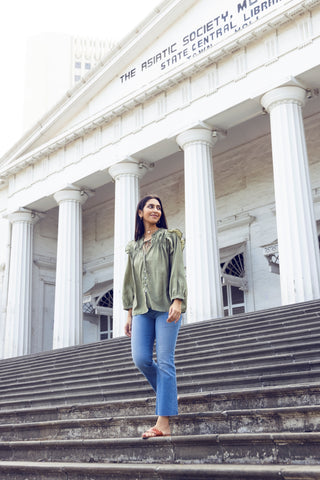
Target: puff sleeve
{"type": "Point", "coordinates": [177, 280]}
{"type": "Point", "coordinates": [128, 283]}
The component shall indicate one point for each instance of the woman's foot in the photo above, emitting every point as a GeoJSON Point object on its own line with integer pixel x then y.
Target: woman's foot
{"type": "Point", "coordinates": [161, 429]}
{"type": "Point", "coordinates": [154, 432]}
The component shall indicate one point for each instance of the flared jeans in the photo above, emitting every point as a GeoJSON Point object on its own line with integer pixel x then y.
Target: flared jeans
{"type": "Point", "coordinates": [146, 329]}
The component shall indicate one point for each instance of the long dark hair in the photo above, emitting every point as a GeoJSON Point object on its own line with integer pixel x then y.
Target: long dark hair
{"type": "Point", "coordinates": [139, 227]}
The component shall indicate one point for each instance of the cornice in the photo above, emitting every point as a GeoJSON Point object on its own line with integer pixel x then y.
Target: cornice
{"type": "Point", "coordinates": [235, 221]}
{"type": "Point", "coordinates": [42, 261]}
{"type": "Point", "coordinates": [98, 264]}
{"type": "Point", "coordinates": [175, 76]}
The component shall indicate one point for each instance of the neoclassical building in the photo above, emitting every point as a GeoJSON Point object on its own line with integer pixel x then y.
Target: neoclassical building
{"type": "Point", "coordinates": [216, 109]}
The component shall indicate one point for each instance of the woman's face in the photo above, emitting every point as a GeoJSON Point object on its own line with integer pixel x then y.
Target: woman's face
{"type": "Point", "coordinates": [151, 212]}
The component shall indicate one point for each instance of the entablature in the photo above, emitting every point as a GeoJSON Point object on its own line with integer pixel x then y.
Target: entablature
{"type": "Point", "coordinates": [174, 77]}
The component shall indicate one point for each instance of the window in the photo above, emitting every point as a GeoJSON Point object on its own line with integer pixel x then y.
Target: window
{"type": "Point", "coordinates": [87, 66]}
{"type": "Point", "coordinates": [77, 78]}
{"type": "Point", "coordinates": [235, 266]}
{"type": "Point", "coordinates": [77, 65]}
{"type": "Point", "coordinates": [105, 305]}
{"type": "Point", "coordinates": [106, 300]}
{"type": "Point", "coordinates": [233, 300]}
{"type": "Point", "coordinates": [106, 325]}
{"type": "Point", "coordinates": [233, 282]}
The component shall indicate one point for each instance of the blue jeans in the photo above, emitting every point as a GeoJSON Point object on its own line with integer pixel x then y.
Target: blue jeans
{"type": "Point", "coordinates": [161, 375]}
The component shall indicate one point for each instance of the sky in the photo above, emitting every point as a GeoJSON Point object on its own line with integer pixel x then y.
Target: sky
{"type": "Point", "coordinates": [21, 19]}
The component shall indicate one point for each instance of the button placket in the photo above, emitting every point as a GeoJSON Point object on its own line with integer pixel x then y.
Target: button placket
{"type": "Point", "coordinates": [145, 275]}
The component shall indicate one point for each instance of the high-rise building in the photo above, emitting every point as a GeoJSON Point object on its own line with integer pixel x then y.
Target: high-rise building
{"type": "Point", "coordinates": [55, 62]}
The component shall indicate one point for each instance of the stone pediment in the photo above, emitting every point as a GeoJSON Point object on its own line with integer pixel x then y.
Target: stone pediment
{"type": "Point", "coordinates": [175, 42]}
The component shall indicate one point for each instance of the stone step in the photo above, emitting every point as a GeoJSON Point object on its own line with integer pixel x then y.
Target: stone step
{"type": "Point", "coordinates": [102, 372]}
{"type": "Point", "coordinates": [289, 419]}
{"type": "Point", "coordinates": [247, 325]}
{"type": "Point", "coordinates": [103, 351]}
{"type": "Point", "coordinates": [239, 347]}
{"type": "Point", "coordinates": [188, 381]}
{"type": "Point", "coordinates": [255, 398]}
{"type": "Point", "coordinates": [253, 448]}
{"type": "Point", "coordinates": [249, 404]}
{"type": "Point", "coordinates": [273, 338]}
{"type": "Point", "coordinates": [192, 353]}
{"type": "Point", "coordinates": [99, 373]}
{"type": "Point", "coordinates": [186, 331]}
{"type": "Point", "coordinates": [247, 352]}
{"type": "Point", "coordinates": [258, 355]}
{"type": "Point", "coordinates": [206, 381]}
{"type": "Point", "coordinates": [141, 471]}
{"type": "Point", "coordinates": [308, 349]}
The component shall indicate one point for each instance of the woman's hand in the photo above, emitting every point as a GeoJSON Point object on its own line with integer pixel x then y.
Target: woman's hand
{"type": "Point", "coordinates": [174, 311]}
{"type": "Point", "coordinates": [127, 327]}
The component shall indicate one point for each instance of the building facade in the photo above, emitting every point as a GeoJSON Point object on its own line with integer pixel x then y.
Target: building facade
{"type": "Point", "coordinates": [216, 109]}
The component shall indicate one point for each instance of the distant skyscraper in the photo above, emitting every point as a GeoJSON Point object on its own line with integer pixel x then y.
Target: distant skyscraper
{"type": "Point", "coordinates": [55, 62]}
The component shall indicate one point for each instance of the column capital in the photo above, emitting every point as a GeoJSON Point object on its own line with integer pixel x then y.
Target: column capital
{"type": "Point", "coordinates": [195, 135]}
{"type": "Point", "coordinates": [128, 168]}
{"type": "Point", "coordinates": [23, 216]}
{"type": "Point", "coordinates": [71, 193]}
{"type": "Point", "coordinates": [281, 95]}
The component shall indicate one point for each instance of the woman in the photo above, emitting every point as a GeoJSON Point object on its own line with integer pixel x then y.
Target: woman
{"type": "Point", "coordinates": [154, 294]}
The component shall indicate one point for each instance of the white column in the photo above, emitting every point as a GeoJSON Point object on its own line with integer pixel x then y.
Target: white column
{"type": "Point", "coordinates": [297, 237]}
{"type": "Point", "coordinates": [18, 318]}
{"type": "Point", "coordinates": [126, 176]}
{"type": "Point", "coordinates": [5, 285]}
{"type": "Point", "coordinates": [202, 251]}
{"type": "Point", "coordinates": [68, 295]}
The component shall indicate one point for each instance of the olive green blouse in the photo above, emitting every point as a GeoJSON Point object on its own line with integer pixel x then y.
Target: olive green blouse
{"type": "Point", "coordinates": [155, 275]}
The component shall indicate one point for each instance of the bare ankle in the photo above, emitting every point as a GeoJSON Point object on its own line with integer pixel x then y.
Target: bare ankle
{"type": "Point", "coordinates": [163, 424]}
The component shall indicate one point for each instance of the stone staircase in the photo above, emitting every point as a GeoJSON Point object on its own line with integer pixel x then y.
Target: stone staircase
{"type": "Point", "coordinates": [249, 400]}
